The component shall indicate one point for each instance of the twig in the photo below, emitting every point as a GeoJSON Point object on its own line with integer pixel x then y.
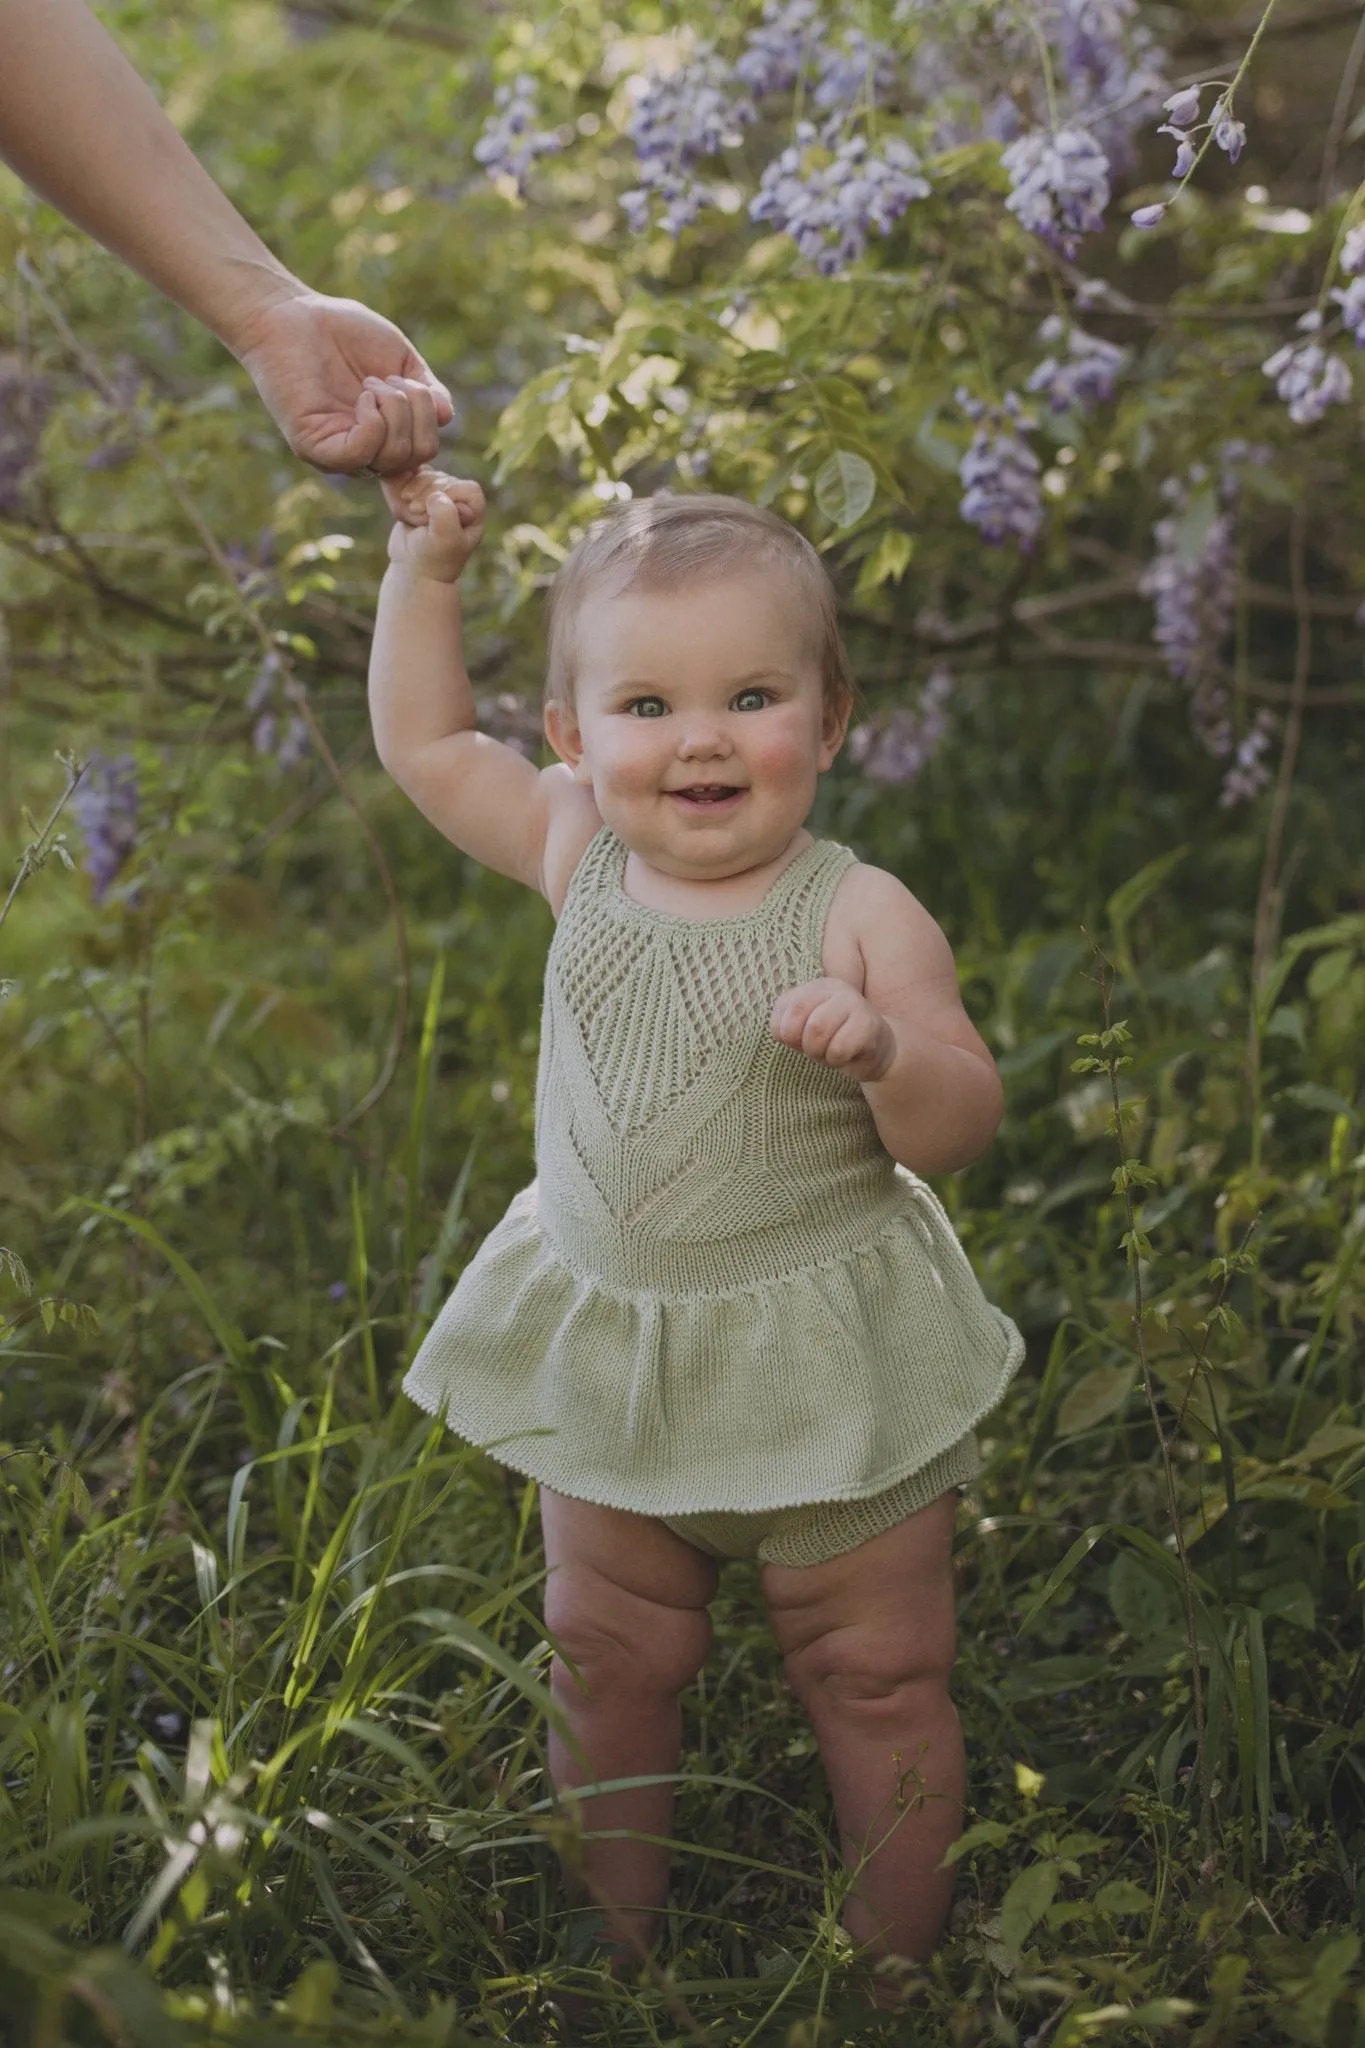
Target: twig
{"type": "Point", "coordinates": [1336, 127]}
{"type": "Point", "coordinates": [346, 14]}
{"type": "Point", "coordinates": [38, 850]}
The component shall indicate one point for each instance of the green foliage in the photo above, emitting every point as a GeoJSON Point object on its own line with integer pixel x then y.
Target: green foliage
{"type": "Point", "coordinates": [274, 1713]}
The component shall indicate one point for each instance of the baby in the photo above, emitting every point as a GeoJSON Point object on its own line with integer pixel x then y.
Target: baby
{"type": "Point", "coordinates": [728, 1319]}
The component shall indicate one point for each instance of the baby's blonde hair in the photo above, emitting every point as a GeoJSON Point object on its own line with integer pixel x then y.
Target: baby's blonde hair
{"type": "Point", "coordinates": [666, 543]}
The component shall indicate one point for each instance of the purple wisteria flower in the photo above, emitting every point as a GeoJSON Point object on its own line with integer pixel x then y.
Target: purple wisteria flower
{"type": "Point", "coordinates": [776, 53]}
{"type": "Point", "coordinates": [1001, 494]}
{"type": "Point", "coordinates": [1082, 370]}
{"type": "Point", "coordinates": [25, 402]}
{"type": "Point", "coordinates": [895, 749]}
{"type": "Point", "coordinates": [1249, 773]}
{"type": "Point", "coordinates": [853, 75]}
{"type": "Point", "coordinates": [278, 730]}
{"type": "Point", "coordinates": [106, 804]}
{"type": "Point", "coordinates": [1110, 72]}
{"type": "Point", "coordinates": [681, 118]}
{"type": "Point", "coordinates": [1059, 185]}
{"type": "Point", "coordinates": [1182, 124]}
{"type": "Point", "coordinates": [1307, 377]}
{"type": "Point", "coordinates": [1192, 581]}
{"type": "Point", "coordinates": [829, 197]}
{"type": "Point", "coordinates": [512, 138]}
{"type": "Point", "coordinates": [1351, 299]}
{"type": "Point", "coordinates": [1192, 578]}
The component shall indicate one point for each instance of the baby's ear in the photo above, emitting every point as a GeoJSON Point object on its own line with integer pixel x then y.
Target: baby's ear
{"type": "Point", "coordinates": [833, 727]}
{"type": "Point", "coordinates": [561, 730]}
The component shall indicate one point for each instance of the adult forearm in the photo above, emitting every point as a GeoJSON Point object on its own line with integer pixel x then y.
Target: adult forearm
{"type": "Point", "coordinates": [80, 127]}
{"type": "Point", "coordinates": [420, 692]}
{"type": "Point", "coordinates": [937, 1106]}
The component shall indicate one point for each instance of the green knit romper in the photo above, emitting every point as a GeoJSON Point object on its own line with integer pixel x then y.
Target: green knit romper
{"type": "Point", "coordinates": [720, 1301]}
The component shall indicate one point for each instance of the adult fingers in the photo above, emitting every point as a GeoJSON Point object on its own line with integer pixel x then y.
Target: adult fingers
{"type": "Point", "coordinates": [417, 368]}
{"type": "Point", "coordinates": [425, 435]}
{"type": "Point", "coordinates": [395, 406]}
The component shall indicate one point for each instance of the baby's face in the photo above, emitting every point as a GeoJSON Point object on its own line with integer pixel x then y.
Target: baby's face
{"type": "Point", "coordinates": [699, 721]}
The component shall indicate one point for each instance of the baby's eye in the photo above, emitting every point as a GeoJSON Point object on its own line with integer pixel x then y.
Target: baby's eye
{"type": "Point", "coordinates": [646, 707]}
{"type": "Point", "coordinates": [752, 700]}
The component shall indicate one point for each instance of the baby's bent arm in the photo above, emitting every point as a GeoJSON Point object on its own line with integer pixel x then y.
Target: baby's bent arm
{"type": "Point", "coordinates": [939, 1103]}
{"type": "Point", "coordinates": [484, 796]}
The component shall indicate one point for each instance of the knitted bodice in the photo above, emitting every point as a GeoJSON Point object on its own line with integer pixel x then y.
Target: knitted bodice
{"type": "Point", "coordinates": [679, 1146]}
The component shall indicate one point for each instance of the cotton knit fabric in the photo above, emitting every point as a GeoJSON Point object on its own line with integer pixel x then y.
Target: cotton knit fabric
{"type": "Point", "coordinates": [816, 1531]}
{"type": "Point", "coordinates": [720, 1293]}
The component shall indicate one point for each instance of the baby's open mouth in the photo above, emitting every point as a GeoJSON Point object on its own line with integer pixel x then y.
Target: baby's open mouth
{"type": "Point", "coordinates": [707, 792]}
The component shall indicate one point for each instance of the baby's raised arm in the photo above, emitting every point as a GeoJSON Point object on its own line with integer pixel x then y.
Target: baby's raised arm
{"type": "Point", "coordinates": [484, 796]}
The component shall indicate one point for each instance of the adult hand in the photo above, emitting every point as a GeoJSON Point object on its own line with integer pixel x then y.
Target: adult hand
{"type": "Point", "coordinates": [309, 356]}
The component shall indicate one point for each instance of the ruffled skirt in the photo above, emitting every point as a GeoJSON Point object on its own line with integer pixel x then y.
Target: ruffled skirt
{"type": "Point", "coordinates": [827, 1383]}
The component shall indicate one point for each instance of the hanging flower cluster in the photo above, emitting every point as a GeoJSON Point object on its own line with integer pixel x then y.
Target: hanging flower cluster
{"type": "Point", "coordinates": [1307, 376]}
{"type": "Point", "coordinates": [25, 402]}
{"type": "Point", "coordinates": [107, 805]}
{"type": "Point", "coordinates": [681, 119]}
{"type": "Point", "coordinates": [1192, 582]}
{"type": "Point", "coordinates": [1351, 298]}
{"type": "Point", "coordinates": [1001, 494]}
{"type": "Point", "coordinates": [513, 139]}
{"type": "Point", "coordinates": [1081, 371]}
{"type": "Point", "coordinates": [278, 729]}
{"type": "Point", "coordinates": [1059, 186]}
{"type": "Point", "coordinates": [830, 200]}
{"type": "Point", "coordinates": [895, 749]}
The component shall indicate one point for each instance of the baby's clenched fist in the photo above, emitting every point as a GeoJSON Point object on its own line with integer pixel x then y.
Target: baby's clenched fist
{"type": "Point", "coordinates": [829, 1021]}
{"type": "Point", "coordinates": [442, 525]}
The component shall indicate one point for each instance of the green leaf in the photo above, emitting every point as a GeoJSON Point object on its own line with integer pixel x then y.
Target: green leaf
{"type": "Point", "coordinates": [1329, 971]}
{"type": "Point", "coordinates": [986, 1834]}
{"type": "Point", "coordinates": [845, 487]}
{"type": "Point", "coordinates": [1142, 1603]}
{"type": "Point", "coordinates": [1311, 1095]}
{"type": "Point", "coordinates": [1078, 1552]}
{"type": "Point", "coordinates": [1126, 901]}
{"type": "Point", "coordinates": [1290, 1601]}
{"type": "Point", "coordinates": [1122, 1896]}
{"type": "Point", "coordinates": [1025, 1903]}
{"type": "Point", "coordinates": [887, 562]}
{"type": "Point", "coordinates": [1100, 1393]}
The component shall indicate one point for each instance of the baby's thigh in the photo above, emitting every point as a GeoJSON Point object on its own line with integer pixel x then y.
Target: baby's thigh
{"type": "Point", "coordinates": [622, 1589]}
{"type": "Point", "coordinates": [885, 1609]}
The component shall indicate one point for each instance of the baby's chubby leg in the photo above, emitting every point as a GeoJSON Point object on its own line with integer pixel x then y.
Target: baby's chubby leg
{"type": "Point", "coordinates": [626, 1603]}
{"type": "Point", "coordinates": [868, 1640]}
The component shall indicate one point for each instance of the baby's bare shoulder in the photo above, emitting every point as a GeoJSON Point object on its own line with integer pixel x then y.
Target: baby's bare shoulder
{"type": "Point", "coordinates": [572, 820]}
{"type": "Point", "coordinates": [877, 927]}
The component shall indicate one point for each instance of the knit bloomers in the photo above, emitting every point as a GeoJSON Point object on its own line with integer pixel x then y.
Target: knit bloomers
{"type": "Point", "coordinates": [720, 1296]}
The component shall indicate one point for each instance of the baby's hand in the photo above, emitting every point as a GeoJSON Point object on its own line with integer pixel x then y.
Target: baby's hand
{"type": "Point", "coordinates": [829, 1021]}
{"type": "Point", "coordinates": [442, 524]}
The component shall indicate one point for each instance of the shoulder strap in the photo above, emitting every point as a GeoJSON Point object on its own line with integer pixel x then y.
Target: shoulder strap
{"type": "Point", "coordinates": [594, 866]}
{"type": "Point", "coordinates": [800, 902]}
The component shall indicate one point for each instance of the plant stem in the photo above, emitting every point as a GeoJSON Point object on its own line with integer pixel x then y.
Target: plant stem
{"type": "Point", "coordinates": [1167, 1466]}
{"type": "Point", "coordinates": [36, 852]}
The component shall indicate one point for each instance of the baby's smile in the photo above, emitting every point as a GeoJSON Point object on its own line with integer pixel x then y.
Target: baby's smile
{"type": "Point", "coordinates": [708, 796]}
{"type": "Point", "coordinates": [699, 722]}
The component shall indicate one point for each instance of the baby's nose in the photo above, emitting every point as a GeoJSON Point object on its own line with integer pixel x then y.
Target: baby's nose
{"type": "Point", "coordinates": [703, 737]}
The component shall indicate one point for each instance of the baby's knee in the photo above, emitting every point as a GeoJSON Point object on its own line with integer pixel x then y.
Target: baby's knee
{"type": "Point", "coordinates": [858, 1675]}
{"type": "Point", "coordinates": [609, 1641]}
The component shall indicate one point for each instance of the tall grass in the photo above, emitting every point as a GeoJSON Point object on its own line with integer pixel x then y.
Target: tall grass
{"type": "Point", "coordinates": [272, 1741]}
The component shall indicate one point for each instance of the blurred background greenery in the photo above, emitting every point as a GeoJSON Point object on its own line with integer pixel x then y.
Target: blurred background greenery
{"type": "Point", "coordinates": [272, 1719]}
